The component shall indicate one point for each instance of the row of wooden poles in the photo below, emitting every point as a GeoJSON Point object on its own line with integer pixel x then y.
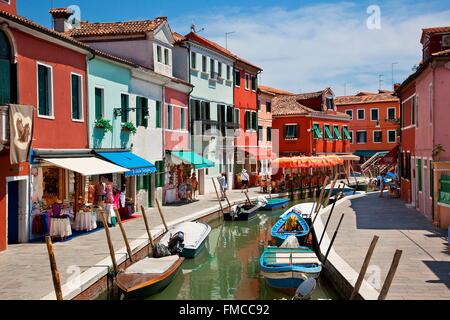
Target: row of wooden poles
{"type": "Point", "coordinates": [56, 276]}
{"type": "Point", "coordinates": [315, 211]}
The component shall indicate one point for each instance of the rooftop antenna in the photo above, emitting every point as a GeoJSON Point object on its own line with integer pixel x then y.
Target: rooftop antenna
{"type": "Point", "coordinates": [345, 88]}
{"type": "Point", "coordinates": [380, 81]}
{"type": "Point", "coordinates": [194, 28]}
{"type": "Point", "coordinates": [226, 38]}
{"type": "Point", "coordinates": [393, 64]}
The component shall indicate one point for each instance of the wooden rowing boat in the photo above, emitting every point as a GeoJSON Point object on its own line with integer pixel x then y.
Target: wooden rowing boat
{"type": "Point", "coordinates": [280, 234]}
{"type": "Point", "coordinates": [148, 276]}
{"type": "Point", "coordinates": [275, 203]}
{"type": "Point", "coordinates": [242, 212]}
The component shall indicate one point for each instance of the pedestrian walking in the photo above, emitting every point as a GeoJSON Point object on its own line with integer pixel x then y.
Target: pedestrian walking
{"type": "Point", "coordinates": [244, 180]}
{"type": "Point", "coordinates": [223, 184]}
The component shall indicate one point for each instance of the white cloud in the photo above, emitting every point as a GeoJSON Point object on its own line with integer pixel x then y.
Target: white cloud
{"type": "Point", "coordinates": [316, 46]}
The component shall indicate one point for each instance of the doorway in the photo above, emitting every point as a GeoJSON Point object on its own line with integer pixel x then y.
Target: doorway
{"type": "Point", "coordinates": [17, 195]}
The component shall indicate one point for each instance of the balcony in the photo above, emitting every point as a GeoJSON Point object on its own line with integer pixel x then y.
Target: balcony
{"type": "Point", "coordinates": [4, 125]}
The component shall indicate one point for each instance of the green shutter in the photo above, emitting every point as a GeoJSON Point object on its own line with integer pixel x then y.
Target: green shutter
{"type": "Point", "coordinates": [42, 90]}
{"type": "Point", "coordinates": [431, 179]}
{"type": "Point", "coordinates": [419, 173]}
{"type": "Point", "coordinates": [316, 131]}
{"type": "Point", "coordinates": [247, 126]}
{"type": "Point", "coordinates": [255, 120]}
{"type": "Point", "coordinates": [158, 114]}
{"type": "Point", "coordinates": [138, 111]}
{"type": "Point", "coordinates": [76, 114]}
{"type": "Point", "coordinates": [328, 134]}
{"type": "Point", "coordinates": [98, 103]}
{"type": "Point", "coordinates": [5, 80]}
{"type": "Point", "coordinates": [337, 134]}
{"type": "Point", "coordinates": [346, 133]}
{"type": "Point", "coordinates": [145, 114]}
{"type": "Point", "coordinates": [124, 107]}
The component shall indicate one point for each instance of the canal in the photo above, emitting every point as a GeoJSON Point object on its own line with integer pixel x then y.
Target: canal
{"type": "Point", "coordinates": [228, 268]}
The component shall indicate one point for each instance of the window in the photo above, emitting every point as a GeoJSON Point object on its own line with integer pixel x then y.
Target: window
{"type": "Point", "coordinates": [251, 120]}
{"type": "Point", "coordinates": [193, 60]}
{"type": "Point", "coordinates": [258, 102]}
{"type": "Point", "coordinates": [77, 97]}
{"type": "Point", "coordinates": [237, 78]}
{"type": "Point", "coordinates": [413, 110]}
{"type": "Point", "coordinates": [392, 136]}
{"type": "Point", "coordinates": [391, 113]}
{"type": "Point", "coordinates": [158, 115]}
{"type": "Point", "coordinates": [247, 81]}
{"type": "Point", "coordinates": [291, 131]}
{"type": "Point", "coordinates": [337, 133]}
{"type": "Point", "coordinates": [219, 69]}
{"type": "Point", "coordinates": [268, 106]}
{"type": "Point", "coordinates": [141, 111]}
{"type": "Point", "coordinates": [99, 103]}
{"type": "Point", "coordinates": [212, 68]}
{"type": "Point", "coordinates": [254, 83]}
{"type": "Point", "coordinates": [166, 57]}
{"type": "Point", "coordinates": [237, 116]}
{"type": "Point", "coordinates": [374, 114]}
{"type": "Point", "coordinates": [228, 72]}
{"type": "Point", "coordinates": [327, 131]}
{"type": "Point", "coordinates": [183, 119]}
{"type": "Point", "coordinates": [351, 137]}
{"type": "Point", "coordinates": [378, 136]}
{"type": "Point", "coordinates": [230, 114]}
{"type": "Point", "coordinates": [361, 137]}
{"type": "Point", "coordinates": [269, 134]}
{"type": "Point", "coordinates": [419, 173]}
{"type": "Point", "coordinates": [169, 117]}
{"type": "Point", "coordinates": [317, 134]}
{"type": "Point", "coordinates": [330, 103]}
{"type": "Point", "coordinates": [254, 120]}
{"type": "Point", "coordinates": [124, 106]}
{"type": "Point", "coordinates": [361, 114]}
{"type": "Point", "coordinates": [260, 133]}
{"type": "Point", "coordinates": [350, 113]}
{"type": "Point", "coordinates": [346, 134]}
{"type": "Point", "coordinates": [204, 64]}
{"type": "Point", "coordinates": [158, 54]}
{"type": "Point", "coordinates": [45, 91]}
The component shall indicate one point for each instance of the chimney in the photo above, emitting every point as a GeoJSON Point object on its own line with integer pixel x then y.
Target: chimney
{"type": "Point", "coordinates": [60, 19]}
{"type": "Point", "coordinates": [396, 86]}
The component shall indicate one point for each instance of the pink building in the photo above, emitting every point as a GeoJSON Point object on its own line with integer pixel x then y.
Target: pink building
{"type": "Point", "coordinates": [176, 133]}
{"type": "Point", "coordinates": [431, 163]}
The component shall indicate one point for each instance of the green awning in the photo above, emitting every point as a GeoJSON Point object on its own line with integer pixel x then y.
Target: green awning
{"type": "Point", "coordinates": [337, 134]}
{"type": "Point", "coordinates": [316, 132]}
{"type": "Point", "coordinates": [346, 133]}
{"type": "Point", "coordinates": [369, 153]}
{"type": "Point", "coordinates": [328, 132]}
{"type": "Point", "coordinates": [196, 160]}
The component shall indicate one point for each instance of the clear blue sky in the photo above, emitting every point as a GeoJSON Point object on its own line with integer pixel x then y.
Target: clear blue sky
{"type": "Point", "coordinates": [301, 45]}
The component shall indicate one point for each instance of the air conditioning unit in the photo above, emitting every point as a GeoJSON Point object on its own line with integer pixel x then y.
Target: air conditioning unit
{"type": "Point", "coordinates": [446, 41]}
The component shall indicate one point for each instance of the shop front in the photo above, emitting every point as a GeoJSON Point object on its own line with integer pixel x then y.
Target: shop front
{"type": "Point", "coordinates": [67, 190]}
{"type": "Point", "coordinates": [184, 176]}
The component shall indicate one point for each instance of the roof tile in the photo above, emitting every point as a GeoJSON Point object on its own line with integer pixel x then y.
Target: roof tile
{"type": "Point", "coordinates": [367, 98]}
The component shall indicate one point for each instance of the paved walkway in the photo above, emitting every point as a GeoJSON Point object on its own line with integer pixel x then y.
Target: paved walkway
{"type": "Point", "coordinates": [25, 270]}
{"type": "Point", "coordinates": [424, 270]}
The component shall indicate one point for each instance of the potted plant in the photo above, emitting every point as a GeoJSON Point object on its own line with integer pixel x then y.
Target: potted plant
{"type": "Point", "coordinates": [438, 149]}
{"type": "Point", "coordinates": [104, 124]}
{"type": "Point", "coordinates": [129, 126]}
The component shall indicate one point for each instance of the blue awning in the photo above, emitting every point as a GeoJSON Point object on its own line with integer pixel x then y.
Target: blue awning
{"type": "Point", "coordinates": [137, 165]}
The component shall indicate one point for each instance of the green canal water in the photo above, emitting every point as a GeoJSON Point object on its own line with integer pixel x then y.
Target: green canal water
{"type": "Point", "coordinates": [228, 267]}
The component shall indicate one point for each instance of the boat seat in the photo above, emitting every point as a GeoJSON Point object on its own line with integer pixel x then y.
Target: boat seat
{"type": "Point", "coordinates": [282, 260]}
{"type": "Point", "coordinates": [152, 265]}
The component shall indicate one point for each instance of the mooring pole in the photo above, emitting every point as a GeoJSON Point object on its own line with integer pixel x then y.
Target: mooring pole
{"type": "Point", "coordinates": [225, 195]}
{"type": "Point", "coordinates": [54, 269]}
{"type": "Point", "coordinates": [218, 197]}
{"type": "Point", "coordinates": [110, 244]}
{"type": "Point", "coordinates": [387, 283]}
{"type": "Point", "coordinates": [322, 194]}
{"type": "Point", "coordinates": [364, 267]}
{"type": "Point", "coordinates": [161, 214]}
{"type": "Point", "coordinates": [147, 227]}
{"type": "Point", "coordinates": [124, 235]}
{"type": "Point", "coordinates": [334, 238]}
{"type": "Point", "coordinates": [328, 220]}
{"type": "Point", "coordinates": [327, 201]}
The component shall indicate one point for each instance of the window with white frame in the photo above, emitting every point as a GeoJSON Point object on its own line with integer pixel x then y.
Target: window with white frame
{"type": "Point", "coordinates": [166, 57]}
{"type": "Point", "coordinates": [159, 54]}
{"type": "Point", "coordinates": [99, 103]}
{"type": "Point", "coordinates": [45, 90]}
{"type": "Point", "coordinates": [77, 96]}
{"type": "Point", "coordinates": [237, 78]}
{"type": "Point", "coordinates": [350, 113]}
{"type": "Point", "coordinates": [212, 65]}
{"type": "Point", "coordinates": [375, 114]}
{"type": "Point", "coordinates": [290, 131]}
{"type": "Point", "coordinates": [377, 136]}
{"type": "Point", "coordinates": [247, 81]}
{"type": "Point", "coordinates": [361, 137]}
{"type": "Point", "coordinates": [204, 64]}
{"type": "Point", "coordinates": [391, 113]}
{"type": "Point", "coordinates": [392, 136]}
{"type": "Point", "coordinates": [351, 136]}
{"type": "Point", "coordinates": [361, 114]}
{"type": "Point", "coordinates": [228, 72]}
{"type": "Point", "coordinates": [193, 60]}
{"type": "Point", "coordinates": [219, 69]}
{"type": "Point", "coordinates": [169, 117]}
{"type": "Point", "coordinates": [183, 119]}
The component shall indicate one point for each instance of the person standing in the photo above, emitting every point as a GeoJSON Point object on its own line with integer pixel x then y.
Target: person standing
{"type": "Point", "coordinates": [382, 185]}
{"type": "Point", "coordinates": [223, 184]}
{"type": "Point", "coordinates": [244, 180]}
{"type": "Point", "coordinates": [194, 183]}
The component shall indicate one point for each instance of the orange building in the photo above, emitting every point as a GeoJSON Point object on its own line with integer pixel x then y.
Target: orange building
{"type": "Point", "coordinates": [374, 122]}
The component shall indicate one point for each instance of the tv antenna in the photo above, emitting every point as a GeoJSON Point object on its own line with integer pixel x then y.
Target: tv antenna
{"type": "Point", "coordinates": [194, 28]}
{"type": "Point", "coordinates": [380, 81]}
{"type": "Point", "coordinates": [226, 38]}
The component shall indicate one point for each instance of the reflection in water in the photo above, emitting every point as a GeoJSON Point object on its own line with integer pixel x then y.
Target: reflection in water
{"type": "Point", "coordinates": [228, 267]}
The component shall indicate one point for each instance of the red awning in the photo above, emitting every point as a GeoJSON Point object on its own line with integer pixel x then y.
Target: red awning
{"type": "Point", "coordinates": [391, 158]}
{"type": "Point", "coordinates": [307, 162]}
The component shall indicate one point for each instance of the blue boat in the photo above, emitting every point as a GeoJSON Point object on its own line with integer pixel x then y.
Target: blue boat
{"type": "Point", "coordinates": [279, 233]}
{"type": "Point", "coordinates": [287, 268]}
{"type": "Point", "coordinates": [275, 203]}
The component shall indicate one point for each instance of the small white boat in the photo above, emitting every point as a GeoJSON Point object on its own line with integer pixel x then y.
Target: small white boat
{"type": "Point", "coordinates": [304, 209]}
{"type": "Point", "coordinates": [195, 235]}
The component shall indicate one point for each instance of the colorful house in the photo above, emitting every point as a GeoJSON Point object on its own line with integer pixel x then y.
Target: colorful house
{"type": "Point", "coordinates": [149, 44]}
{"type": "Point", "coordinates": [429, 165]}
{"type": "Point", "coordinates": [374, 124]}
{"type": "Point", "coordinates": [46, 70]}
{"type": "Point", "coordinates": [209, 68]}
{"type": "Point", "coordinates": [309, 124]}
{"type": "Point", "coordinates": [265, 133]}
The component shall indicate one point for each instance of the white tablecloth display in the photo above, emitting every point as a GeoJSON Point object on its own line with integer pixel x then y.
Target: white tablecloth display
{"type": "Point", "coordinates": [85, 221]}
{"type": "Point", "coordinates": [171, 195]}
{"type": "Point", "coordinates": [110, 213]}
{"type": "Point", "coordinates": [60, 227]}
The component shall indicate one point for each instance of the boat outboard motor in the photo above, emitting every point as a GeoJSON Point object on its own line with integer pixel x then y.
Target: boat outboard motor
{"type": "Point", "coordinates": [160, 250]}
{"type": "Point", "coordinates": [305, 290]}
{"type": "Point", "coordinates": [176, 243]}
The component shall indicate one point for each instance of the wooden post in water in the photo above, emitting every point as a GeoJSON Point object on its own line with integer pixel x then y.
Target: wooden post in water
{"type": "Point", "coordinates": [364, 267]}
{"type": "Point", "coordinates": [161, 214]}
{"type": "Point", "coordinates": [218, 197]}
{"type": "Point", "coordinates": [248, 198]}
{"type": "Point", "coordinates": [54, 268]}
{"type": "Point", "coordinates": [225, 195]}
{"type": "Point", "coordinates": [147, 227]}
{"type": "Point", "coordinates": [328, 220]}
{"type": "Point", "coordinates": [327, 201]}
{"type": "Point", "coordinates": [124, 235]}
{"type": "Point", "coordinates": [322, 194]}
{"type": "Point", "coordinates": [387, 283]}
{"type": "Point", "coordinates": [334, 238]}
{"type": "Point", "coordinates": [110, 244]}
{"type": "Point", "coordinates": [338, 192]}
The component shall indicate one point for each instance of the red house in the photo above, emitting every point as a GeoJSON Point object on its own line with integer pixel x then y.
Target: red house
{"type": "Point", "coordinates": [309, 124]}
{"type": "Point", "coordinates": [246, 101]}
{"type": "Point", "coordinates": [46, 70]}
